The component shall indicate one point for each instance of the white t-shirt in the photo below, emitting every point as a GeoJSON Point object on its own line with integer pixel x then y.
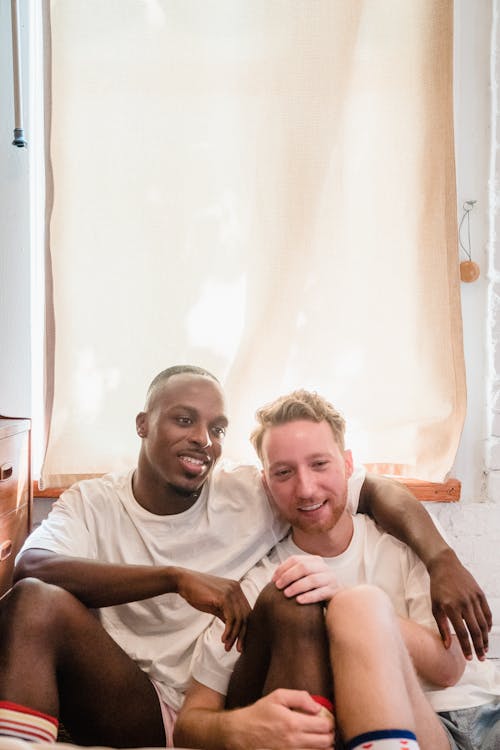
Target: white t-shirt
{"type": "Point", "coordinates": [229, 528]}
{"type": "Point", "coordinates": [372, 557]}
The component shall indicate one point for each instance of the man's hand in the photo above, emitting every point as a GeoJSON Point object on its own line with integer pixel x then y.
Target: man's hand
{"type": "Point", "coordinates": [306, 577]}
{"type": "Point", "coordinates": [217, 596]}
{"type": "Point", "coordinates": [457, 598]}
{"type": "Point", "coordinates": [284, 719]}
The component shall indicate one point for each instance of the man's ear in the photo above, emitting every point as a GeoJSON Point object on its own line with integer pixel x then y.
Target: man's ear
{"type": "Point", "coordinates": [141, 424]}
{"type": "Point", "coordinates": [349, 467]}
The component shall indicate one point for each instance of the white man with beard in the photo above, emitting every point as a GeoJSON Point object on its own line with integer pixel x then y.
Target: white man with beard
{"type": "Point", "coordinates": [157, 552]}
{"type": "Point", "coordinates": [346, 621]}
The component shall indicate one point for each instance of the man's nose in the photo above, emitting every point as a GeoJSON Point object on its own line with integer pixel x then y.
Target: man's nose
{"type": "Point", "coordinates": [305, 485]}
{"type": "Point", "coordinates": [200, 435]}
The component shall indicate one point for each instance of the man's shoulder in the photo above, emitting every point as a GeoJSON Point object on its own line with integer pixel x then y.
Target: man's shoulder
{"type": "Point", "coordinates": [239, 488]}
{"type": "Point", "coordinates": [108, 486]}
{"type": "Point", "coordinates": [243, 478]}
{"type": "Point", "coordinates": [380, 541]}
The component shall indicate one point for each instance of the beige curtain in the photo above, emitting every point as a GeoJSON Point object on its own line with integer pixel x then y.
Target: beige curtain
{"type": "Point", "coordinates": [266, 189]}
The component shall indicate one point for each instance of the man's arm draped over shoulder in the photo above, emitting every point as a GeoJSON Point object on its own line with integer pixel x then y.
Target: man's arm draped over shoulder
{"type": "Point", "coordinates": [455, 593]}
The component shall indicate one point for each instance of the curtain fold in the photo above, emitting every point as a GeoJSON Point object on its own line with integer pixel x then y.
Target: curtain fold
{"type": "Point", "coordinates": [266, 190]}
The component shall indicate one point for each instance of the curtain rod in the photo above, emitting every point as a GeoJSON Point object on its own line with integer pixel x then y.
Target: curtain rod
{"type": "Point", "coordinates": [19, 139]}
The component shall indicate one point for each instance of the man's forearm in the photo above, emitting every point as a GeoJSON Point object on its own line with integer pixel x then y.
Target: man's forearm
{"type": "Point", "coordinates": [97, 584]}
{"type": "Point", "coordinates": [212, 730]}
{"type": "Point", "coordinates": [432, 661]}
{"type": "Point", "coordinates": [399, 513]}
{"type": "Point", "coordinates": [283, 718]}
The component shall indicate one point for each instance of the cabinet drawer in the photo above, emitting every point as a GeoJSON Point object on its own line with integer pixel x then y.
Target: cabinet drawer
{"type": "Point", "coordinates": [14, 472]}
{"type": "Point", "coordinates": [13, 532]}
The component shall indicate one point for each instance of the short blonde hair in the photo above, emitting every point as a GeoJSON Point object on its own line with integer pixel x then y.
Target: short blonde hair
{"type": "Point", "coordinates": [297, 405]}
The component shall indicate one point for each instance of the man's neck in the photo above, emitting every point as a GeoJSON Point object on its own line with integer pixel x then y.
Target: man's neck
{"type": "Point", "coordinates": [159, 498]}
{"type": "Point", "coordinates": [329, 543]}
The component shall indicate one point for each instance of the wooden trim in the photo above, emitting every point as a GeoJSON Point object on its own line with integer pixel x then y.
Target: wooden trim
{"type": "Point", "coordinates": [48, 491]}
{"type": "Point", "coordinates": [434, 492]}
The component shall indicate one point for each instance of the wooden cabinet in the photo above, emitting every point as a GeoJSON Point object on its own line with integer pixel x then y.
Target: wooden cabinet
{"type": "Point", "coordinates": [15, 493]}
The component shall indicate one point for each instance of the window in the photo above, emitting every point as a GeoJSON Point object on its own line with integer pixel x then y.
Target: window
{"type": "Point", "coordinates": [266, 190]}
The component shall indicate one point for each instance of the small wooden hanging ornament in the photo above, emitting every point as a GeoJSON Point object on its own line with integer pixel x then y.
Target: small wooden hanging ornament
{"type": "Point", "coordinates": [469, 270]}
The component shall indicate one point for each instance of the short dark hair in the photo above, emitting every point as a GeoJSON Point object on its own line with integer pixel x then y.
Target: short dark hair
{"type": "Point", "coordinates": [295, 406]}
{"type": "Point", "coordinates": [164, 375]}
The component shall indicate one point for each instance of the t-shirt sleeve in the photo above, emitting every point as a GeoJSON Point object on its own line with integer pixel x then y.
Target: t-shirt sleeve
{"type": "Point", "coordinates": [354, 488]}
{"type": "Point", "coordinates": [211, 664]}
{"type": "Point", "coordinates": [65, 530]}
{"type": "Point", "coordinates": [418, 597]}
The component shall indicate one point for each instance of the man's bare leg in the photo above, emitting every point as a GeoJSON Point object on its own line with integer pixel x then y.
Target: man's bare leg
{"type": "Point", "coordinates": [375, 682]}
{"type": "Point", "coordinates": [285, 647]}
{"type": "Point", "coordinates": [56, 658]}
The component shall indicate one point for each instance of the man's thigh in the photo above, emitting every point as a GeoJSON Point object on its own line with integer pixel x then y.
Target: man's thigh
{"type": "Point", "coordinates": [471, 728]}
{"type": "Point", "coordinates": [56, 657]}
{"type": "Point", "coordinates": [105, 698]}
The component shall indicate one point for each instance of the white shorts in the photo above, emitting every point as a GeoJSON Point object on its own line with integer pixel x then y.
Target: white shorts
{"type": "Point", "coordinates": [169, 716]}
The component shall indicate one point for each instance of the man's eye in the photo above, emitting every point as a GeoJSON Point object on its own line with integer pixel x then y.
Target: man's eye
{"type": "Point", "coordinates": [320, 464]}
{"type": "Point", "coordinates": [184, 420]}
{"type": "Point", "coordinates": [281, 473]}
{"type": "Point", "coordinates": [219, 432]}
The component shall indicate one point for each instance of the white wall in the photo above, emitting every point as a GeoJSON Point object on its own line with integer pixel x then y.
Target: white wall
{"type": "Point", "coordinates": [473, 526]}
{"type": "Point", "coordinates": [472, 145]}
{"type": "Point", "coordinates": [15, 279]}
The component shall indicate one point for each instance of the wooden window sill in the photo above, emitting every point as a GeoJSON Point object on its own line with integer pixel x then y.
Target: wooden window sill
{"type": "Point", "coordinates": [437, 492]}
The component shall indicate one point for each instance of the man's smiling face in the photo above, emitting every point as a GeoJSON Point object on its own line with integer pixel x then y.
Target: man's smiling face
{"type": "Point", "coordinates": [183, 430]}
{"type": "Point", "coordinates": [306, 473]}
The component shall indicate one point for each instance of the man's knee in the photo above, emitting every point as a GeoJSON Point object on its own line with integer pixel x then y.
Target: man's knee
{"type": "Point", "coordinates": [362, 608]}
{"type": "Point", "coordinates": [285, 616]}
{"type": "Point", "coordinates": [32, 604]}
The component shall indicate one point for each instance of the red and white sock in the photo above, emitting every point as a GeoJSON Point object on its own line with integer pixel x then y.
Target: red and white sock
{"type": "Point", "coordinates": [384, 739]}
{"type": "Point", "coordinates": [26, 723]}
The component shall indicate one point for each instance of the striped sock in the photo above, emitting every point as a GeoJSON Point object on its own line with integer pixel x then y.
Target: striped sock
{"type": "Point", "coordinates": [384, 739]}
{"type": "Point", "coordinates": [26, 724]}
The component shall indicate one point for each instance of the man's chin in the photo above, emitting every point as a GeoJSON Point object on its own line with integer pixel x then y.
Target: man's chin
{"type": "Point", "coordinates": [189, 486]}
